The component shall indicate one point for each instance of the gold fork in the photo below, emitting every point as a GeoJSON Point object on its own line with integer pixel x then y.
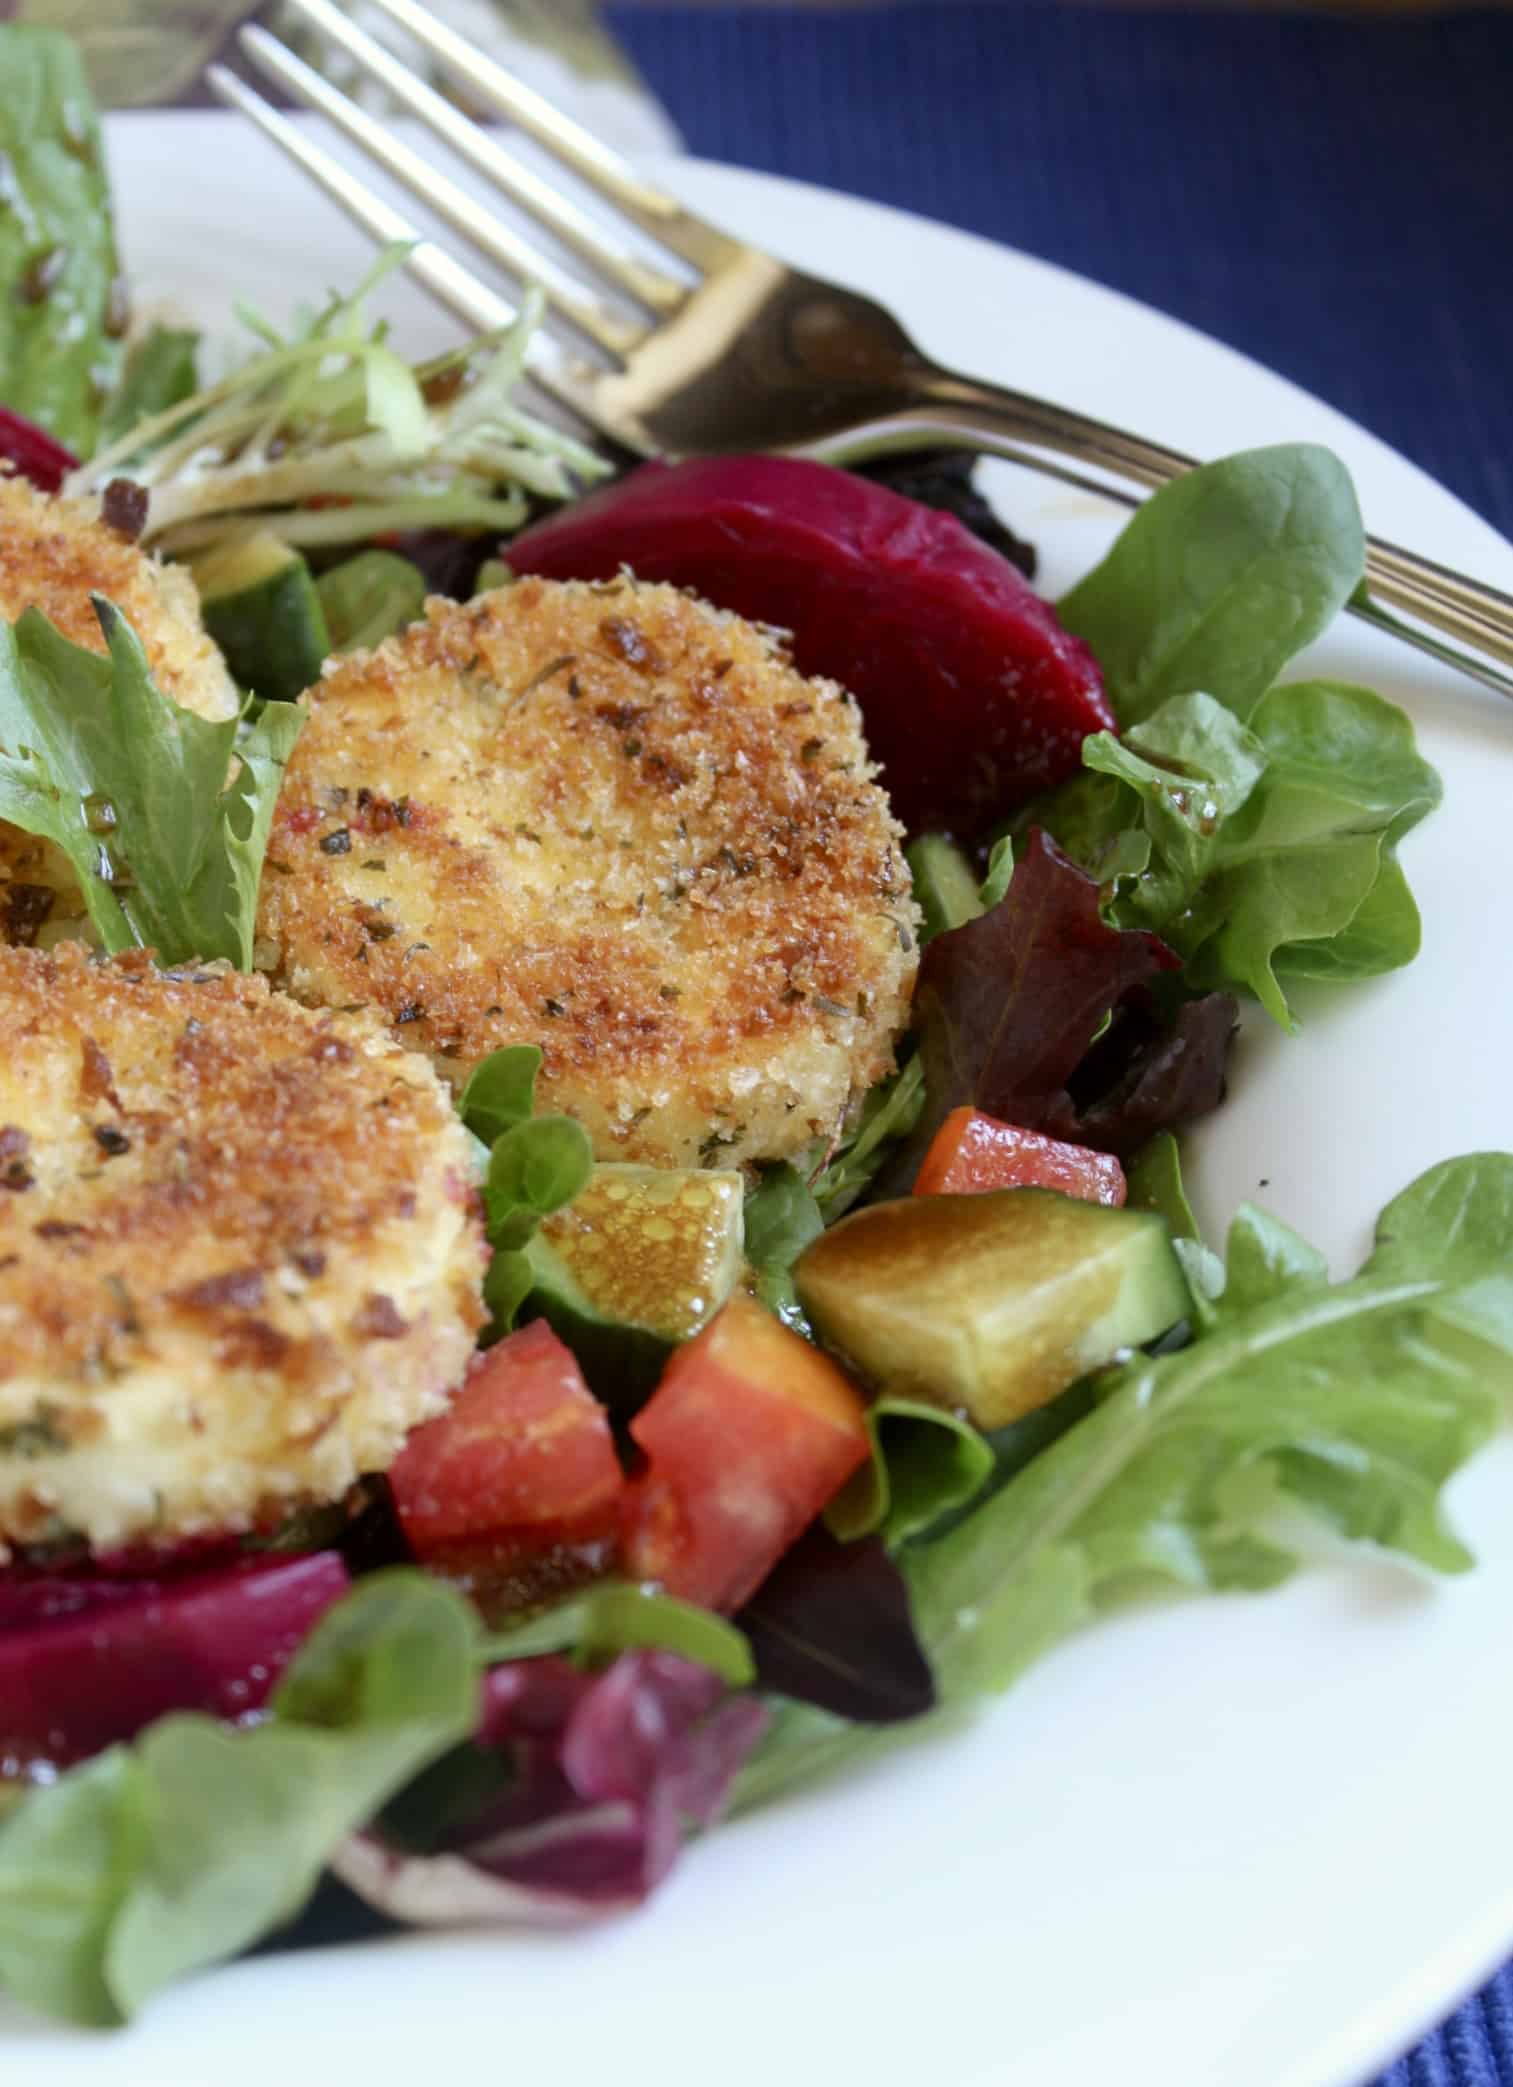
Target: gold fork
{"type": "Point", "coordinates": [735, 350]}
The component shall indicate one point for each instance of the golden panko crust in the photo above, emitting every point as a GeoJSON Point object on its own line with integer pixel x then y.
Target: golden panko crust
{"type": "Point", "coordinates": [240, 1251]}
{"type": "Point", "coordinates": [615, 822]}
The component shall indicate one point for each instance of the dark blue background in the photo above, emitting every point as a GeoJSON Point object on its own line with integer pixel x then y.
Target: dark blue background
{"type": "Point", "coordinates": [1330, 195]}
{"type": "Point", "coordinates": [1333, 196]}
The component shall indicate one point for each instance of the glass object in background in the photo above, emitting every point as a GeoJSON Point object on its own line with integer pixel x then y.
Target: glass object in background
{"type": "Point", "coordinates": [154, 52]}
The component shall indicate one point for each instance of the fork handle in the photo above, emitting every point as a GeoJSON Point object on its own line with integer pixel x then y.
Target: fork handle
{"type": "Point", "coordinates": [965, 412]}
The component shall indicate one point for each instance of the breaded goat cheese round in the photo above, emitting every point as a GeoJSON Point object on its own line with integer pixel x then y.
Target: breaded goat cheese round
{"type": "Point", "coordinates": [615, 822]}
{"type": "Point", "coordinates": [55, 553]}
{"type": "Point", "coordinates": [240, 1255]}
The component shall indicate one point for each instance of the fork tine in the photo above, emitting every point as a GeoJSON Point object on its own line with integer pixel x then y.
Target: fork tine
{"type": "Point", "coordinates": [615, 335]}
{"type": "Point", "coordinates": [613, 177]}
{"type": "Point", "coordinates": [574, 228]}
{"type": "Point", "coordinates": [482, 310]}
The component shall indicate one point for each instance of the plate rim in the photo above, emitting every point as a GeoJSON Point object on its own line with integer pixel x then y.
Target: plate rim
{"type": "Point", "coordinates": [1471, 1950]}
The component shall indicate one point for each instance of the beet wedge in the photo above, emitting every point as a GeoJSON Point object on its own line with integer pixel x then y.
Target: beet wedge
{"type": "Point", "coordinates": [974, 697]}
{"type": "Point", "coordinates": [86, 1662]}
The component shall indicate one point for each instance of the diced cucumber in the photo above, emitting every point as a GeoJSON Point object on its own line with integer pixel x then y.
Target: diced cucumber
{"type": "Point", "coordinates": [369, 597]}
{"type": "Point", "coordinates": [637, 1262]}
{"type": "Point", "coordinates": [990, 1303]}
{"type": "Point", "coordinates": [261, 607]}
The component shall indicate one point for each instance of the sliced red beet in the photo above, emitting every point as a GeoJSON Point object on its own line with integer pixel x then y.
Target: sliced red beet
{"type": "Point", "coordinates": [85, 1662]}
{"type": "Point", "coordinates": [974, 697]}
{"type": "Point", "coordinates": [33, 452]}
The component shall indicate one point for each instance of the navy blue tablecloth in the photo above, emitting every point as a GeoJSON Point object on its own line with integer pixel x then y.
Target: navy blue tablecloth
{"type": "Point", "coordinates": [1333, 196]}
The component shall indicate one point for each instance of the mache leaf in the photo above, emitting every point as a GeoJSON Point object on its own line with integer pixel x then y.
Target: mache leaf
{"type": "Point", "coordinates": [163, 815]}
{"type": "Point", "coordinates": [500, 1091]}
{"type": "Point", "coordinates": [1221, 578]}
{"type": "Point", "coordinates": [535, 1165]}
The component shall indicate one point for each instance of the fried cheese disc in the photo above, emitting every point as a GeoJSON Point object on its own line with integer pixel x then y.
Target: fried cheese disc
{"type": "Point", "coordinates": [240, 1255]}
{"type": "Point", "coordinates": [615, 822]}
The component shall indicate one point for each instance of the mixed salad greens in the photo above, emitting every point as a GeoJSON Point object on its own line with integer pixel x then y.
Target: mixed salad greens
{"type": "Point", "coordinates": [451, 1754]}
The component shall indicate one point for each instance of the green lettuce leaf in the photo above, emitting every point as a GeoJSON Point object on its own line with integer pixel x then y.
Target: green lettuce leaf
{"type": "Point", "coordinates": [1261, 852]}
{"type": "Point", "coordinates": [535, 1165]}
{"type": "Point", "coordinates": [925, 1463]}
{"type": "Point", "coordinates": [1221, 578]}
{"type": "Point", "coordinates": [780, 1217]}
{"type": "Point", "coordinates": [500, 1091]}
{"type": "Point", "coordinates": [175, 1853]}
{"type": "Point", "coordinates": [135, 790]}
{"type": "Point", "coordinates": [615, 1617]}
{"type": "Point", "coordinates": [59, 346]}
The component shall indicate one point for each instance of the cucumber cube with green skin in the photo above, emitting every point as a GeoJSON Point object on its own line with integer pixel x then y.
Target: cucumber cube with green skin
{"type": "Point", "coordinates": [260, 605]}
{"type": "Point", "coordinates": [635, 1264]}
{"type": "Point", "coordinates": [990, 1304]}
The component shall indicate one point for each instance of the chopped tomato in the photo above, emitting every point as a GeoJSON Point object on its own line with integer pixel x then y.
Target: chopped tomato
{"type": "Point", "coordinates": [972, 1152]}
{"type": "Point", "coordinates": [747, 1436]}
{"type": "Point", "coordinates": [517, 1484]}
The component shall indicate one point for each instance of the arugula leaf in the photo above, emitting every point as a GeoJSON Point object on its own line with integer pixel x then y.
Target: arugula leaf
{"type": "Point", "coordinates": [59, 289]}
{"type": "Point", "coordinates": [925, 1463]}
{"type": "Point", "coordinates": [1221, 577]}
{"type": "Point", "coordinates": [1353, 1402]}
{"type": "Point", "coordinates": [1357, 1401]}
{"type": "Point", "coordinates": [612, 1618]}
{"type": "Point", "coordinates": [1254, 850]}
{"type": "Point", "coordinates": [780, 1217]}
{"type": "Point", "coordinates": [160, 371]}
{"type": "Point", "coordinates": [134, 790]}
{"type": "Point", "coordinates": [180, 1850]}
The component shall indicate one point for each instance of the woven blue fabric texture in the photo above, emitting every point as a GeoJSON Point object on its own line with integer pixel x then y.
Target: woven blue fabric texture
{"type": "Point", "coordinates": [1333, 196]}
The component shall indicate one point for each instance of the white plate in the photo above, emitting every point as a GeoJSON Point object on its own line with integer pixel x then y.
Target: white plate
{"type": "Point", "coordinates": [1224, 1844]}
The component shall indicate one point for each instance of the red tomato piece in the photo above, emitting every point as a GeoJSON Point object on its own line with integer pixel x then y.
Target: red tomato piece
{"type": "Point", "coordinates": [747, 1436]}
{"type": "Point", "coordinates": [521, 1466]}
{"type": "Point", "coordinates": [972, 1153]}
